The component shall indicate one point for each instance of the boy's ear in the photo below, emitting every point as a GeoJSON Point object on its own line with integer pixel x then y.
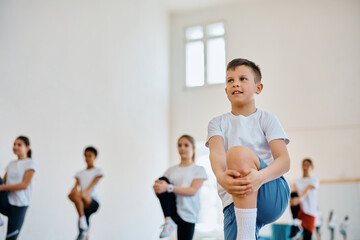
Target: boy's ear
{"type": "Point", "coordinates": [226, 90]}
{"type": "Point", "coordinates": [259, 88]}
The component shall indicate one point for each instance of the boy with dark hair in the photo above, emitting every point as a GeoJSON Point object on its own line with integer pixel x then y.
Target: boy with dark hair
{"type": "Point", "coordinates": [248, 155]}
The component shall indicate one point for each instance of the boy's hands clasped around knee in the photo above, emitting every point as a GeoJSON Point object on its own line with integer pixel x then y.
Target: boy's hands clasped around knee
{"type": "Point", "coordinates": [235, 183]}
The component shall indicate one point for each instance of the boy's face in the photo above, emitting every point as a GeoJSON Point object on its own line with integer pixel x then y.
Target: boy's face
{"type": "Point", "coordinates": [90, 158]}
{"type": "Point", "coordinates": [240, 85]}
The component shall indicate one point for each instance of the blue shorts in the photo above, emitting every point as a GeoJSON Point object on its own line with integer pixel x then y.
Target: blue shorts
{"type": "Point", "coordinates": [272, 200]}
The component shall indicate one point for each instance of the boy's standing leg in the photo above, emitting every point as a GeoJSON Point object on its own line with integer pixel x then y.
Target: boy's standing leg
{"type": "Point", "coordinates": [244, 160]}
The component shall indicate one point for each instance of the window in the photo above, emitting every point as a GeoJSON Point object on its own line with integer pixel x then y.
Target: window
{"type": "Point", "coordinates": [205, 54]}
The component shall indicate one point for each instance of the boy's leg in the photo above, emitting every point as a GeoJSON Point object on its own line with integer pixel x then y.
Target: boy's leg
{"type": "Point", "coordinates": [92, 208]}
{"type": "Point", "coordinates": [272, 200]}
{"type": "Point", "coordinates": [230, 227]}
{"type": "Point", "coordinates": [75, 197]}
{"type": "Point", "coordinates": [243, 159]}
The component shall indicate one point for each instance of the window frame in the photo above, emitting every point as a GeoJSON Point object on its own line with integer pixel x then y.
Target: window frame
{"type": "Point", "coordinates": [204, 40]}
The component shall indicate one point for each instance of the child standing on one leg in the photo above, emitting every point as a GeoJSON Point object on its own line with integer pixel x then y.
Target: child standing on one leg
{"type": "Point", "coordinates": [344, 226]}
{"type": "Point", "coordinates": [248, 155]}
{"type": "Point", "coordinates": [331, 224]}
{"type": "Point", "coordinates": [178, 192]}
{"type": "Point", "coordinates": [303, 202]}
{"type": "Point", "coordinates": [84, 193]}
{"type": "Point", "coordinates": [16, 187]}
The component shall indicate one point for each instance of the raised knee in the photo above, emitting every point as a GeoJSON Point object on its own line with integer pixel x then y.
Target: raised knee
{"type": "Point", "coordinates": [73, 196]}
{"type": "Point", "coordinates": [241, 158]}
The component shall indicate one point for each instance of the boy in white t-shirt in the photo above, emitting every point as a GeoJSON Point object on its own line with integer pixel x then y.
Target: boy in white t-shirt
{"type": "Point", "coordinates": [303, 202]}
{"type": "Point", "coordinates": [86, 198]}
{"type": "Point", "coordinates": [344, 226]}
{"type": "Point", "coordinates": [248, 155]}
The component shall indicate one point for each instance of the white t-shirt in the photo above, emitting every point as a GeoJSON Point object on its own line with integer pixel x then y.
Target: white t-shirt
{"type": "Point", "coordinates": [85, 179]}
{"type": "Point", "coordinates": [254, 131]}
{"type": "Point", "coordinates": [309, 203]}
{"type": "Point", "coordinates": [344, 225]}
{"type": "Point", "coordinates": [14, 174]}
{"type": "Point", "coordinates": [187, 206]}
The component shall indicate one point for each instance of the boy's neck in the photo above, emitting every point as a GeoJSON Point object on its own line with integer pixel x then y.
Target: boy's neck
{"type": "Point", "coordinates": [245, 110]}
{"type": "Point", "coordinates": [90, 166]}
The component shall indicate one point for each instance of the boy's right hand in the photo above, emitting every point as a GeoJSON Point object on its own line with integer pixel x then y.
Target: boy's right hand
{"type": "Point", "coordinates": [234, 183]}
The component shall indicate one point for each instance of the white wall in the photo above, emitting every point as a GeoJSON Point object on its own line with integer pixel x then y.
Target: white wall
{"type": "Point", "coordinates": [309, 55]}
{"type": "Point", "coordinates": [75, 73]}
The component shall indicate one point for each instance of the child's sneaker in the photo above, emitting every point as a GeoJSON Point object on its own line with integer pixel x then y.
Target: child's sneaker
{"type": "Point", "coordinates": [294, 231]}
{"type": "Point", "coordinates": [82, 235]}
{"type": "Point", "coordinates": [168, 227]}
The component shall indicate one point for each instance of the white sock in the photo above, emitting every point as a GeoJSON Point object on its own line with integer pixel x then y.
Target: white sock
{"type": "Point", "coordinates": [83, 224]}
{"type": "Point", "coordinates": [246, 223]}
{"type": "Point", "coordinates": [296, 222]}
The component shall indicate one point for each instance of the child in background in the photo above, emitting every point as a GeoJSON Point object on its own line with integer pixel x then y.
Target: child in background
{"type": "Point", "coordinates": [318, 224]}
{"type": "Point", "coordinates": [16, 188]}
{"type": "Point", "coordinates": [248, 155]}
{"type": "Point", "coordinates": [84, 193]}
{"type": "Point", "coordinates": [331, 224]}
{"type": "Point", "coordinates": [303, 201]}
{"type": "Point", "coordinates": [178, 192]}
{"type": "Point", "coordinates": [343, 227]}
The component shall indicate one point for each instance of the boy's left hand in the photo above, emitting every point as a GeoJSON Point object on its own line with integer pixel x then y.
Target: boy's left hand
{"type": "Point", "coordinates": [254, 177]}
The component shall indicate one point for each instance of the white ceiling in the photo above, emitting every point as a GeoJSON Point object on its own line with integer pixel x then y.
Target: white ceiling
{"type": "Point", "coordinates": [184, 5]}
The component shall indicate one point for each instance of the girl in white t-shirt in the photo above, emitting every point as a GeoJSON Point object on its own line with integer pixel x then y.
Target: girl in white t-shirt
{"type": "Point", "coordinates": [303, 201]}
{"type": "Point", "coordinates": [178, 192]}
{"type": "Point", "coordinates": [16, 186]}
{"type": "Point", "coordinates": [84, 193]}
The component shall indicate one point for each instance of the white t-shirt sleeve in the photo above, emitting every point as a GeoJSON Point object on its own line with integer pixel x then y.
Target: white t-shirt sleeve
{"type": "Point", "coordinates": [273, 129]}
{"type": "Point", "coordinates": [315, 183]}
{"type": "Point", "coordinates": [200, 173]}
{"type": "Point", "coordinates": [30, 165]}
{"type": "Point", "coordinates": [99, 172]}
{"type": "Point", "coordinates": [77, 175]}
{"type": "Point", "coordinates": [167, 173]}
{"type": "Point", "coordinates": [214, 129]}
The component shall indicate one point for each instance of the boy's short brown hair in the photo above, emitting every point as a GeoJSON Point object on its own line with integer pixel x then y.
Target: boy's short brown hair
{"type": "Point", "coordinates": [242, 61]}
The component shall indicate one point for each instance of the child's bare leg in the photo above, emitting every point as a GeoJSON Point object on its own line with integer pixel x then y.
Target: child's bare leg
{"type": "Point", "coordinates": [75, 197]}
{"type": "Point", "coordinates": [86, 199]}
{"type": "Point", "coordinates": [243, 160]}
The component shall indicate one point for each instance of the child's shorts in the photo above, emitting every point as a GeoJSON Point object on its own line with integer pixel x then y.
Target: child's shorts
{"type": "Point", "coordinates": [272, 200]}
{"type": "Point", "coordinates": [94, 206]}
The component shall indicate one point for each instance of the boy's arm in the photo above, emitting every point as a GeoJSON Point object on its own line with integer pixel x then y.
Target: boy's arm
{"type": "Point", "coordinates": [228, 179]}
{"type": "Point", "coordinates": [28, 175]}
{"type": "Point", "coordinates": [278, 167]}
